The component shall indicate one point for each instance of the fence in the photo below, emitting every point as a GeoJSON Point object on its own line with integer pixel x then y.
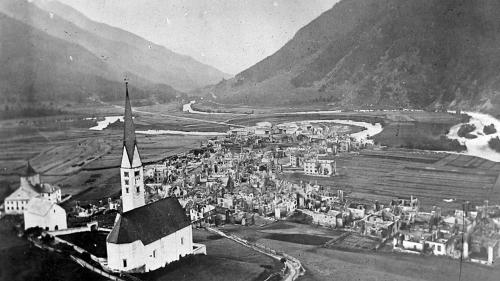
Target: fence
{"type": "Point", "coordinates": [95, 269]}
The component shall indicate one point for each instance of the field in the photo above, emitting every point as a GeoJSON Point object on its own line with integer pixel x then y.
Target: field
{"type": "Point", "coordinates": [430, 176]}
{"type": "Point", "coordinates": [359, 261]}
{"type": "Point", "coordinates": [85, 162]}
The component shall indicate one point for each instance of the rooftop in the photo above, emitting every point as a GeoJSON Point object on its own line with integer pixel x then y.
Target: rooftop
{"type": "Point", "coordinates": [149, 223]}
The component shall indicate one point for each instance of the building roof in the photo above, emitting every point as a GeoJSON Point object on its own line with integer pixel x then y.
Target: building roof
{"type": "Point", "coordinates": [39, 206]}
{"type": "Point", "coordinates": [22, 193]}
{"type": "Point", "coordinates": [129, 140]}
{"type": "Point", "coordinates": [149, 223]}
{"type": "Point", "coordinates": [46, 188]}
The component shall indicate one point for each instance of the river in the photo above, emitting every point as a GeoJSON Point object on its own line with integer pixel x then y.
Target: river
{"type": "Point", "coordinates": [188, 108]}
{"type": "Point", "coordinates": [369, 131]}
{"type": "Point", "coordinates": [478, 146]}
{"type": "Point", "coordinates": [101, 125]}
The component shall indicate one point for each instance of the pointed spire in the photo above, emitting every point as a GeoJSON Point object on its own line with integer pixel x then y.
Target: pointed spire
{"type": "Point", "coordinates": [29, 170]}
{"type": "Point", "coordinates": [129, 140]}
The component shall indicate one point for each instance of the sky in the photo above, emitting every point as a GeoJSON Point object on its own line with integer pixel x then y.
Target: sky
{"type": "Point", "coordinates": [230, 35]}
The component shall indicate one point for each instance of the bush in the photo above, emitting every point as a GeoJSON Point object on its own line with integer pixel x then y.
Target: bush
{"type": "Point", "coordinates": [494, 144]}
{"type": "Point", "coordinates": [33, 231]}
{"type": "Point", "coordinates": [466, 129]}
{"type": "Point", "coordinates": [489, 129]}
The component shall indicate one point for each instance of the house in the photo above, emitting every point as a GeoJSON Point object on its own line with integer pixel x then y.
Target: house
{"type": "Point", "coordinates": [344, 145]}
{"type": "Point", "coordinates": [331, 219]}
{"type": "Point", "coordinates": [40, 212]}
{"type": "Point", "coordinates": [262, 131]}
{"type": "Point", "coordinates": [437, 243]}
{"type": "Point", "coordinates": [358, 211]}
{"type": "Point", "coordinates": [30, 187]}
{"type": "Point", "coordinates": [320, 167]}
{"type": "Point", "coordinates": [377, 226]}
{"type": "Point", "coordinates": [144, 237]}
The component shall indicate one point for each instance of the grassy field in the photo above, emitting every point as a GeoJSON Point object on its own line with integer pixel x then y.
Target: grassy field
{"type": "Point", "coordinates": [359, 261]}
{"type": "Point", "coordinates": [429, 176]}
{"type": "Point", "coordinates": [80, 160]}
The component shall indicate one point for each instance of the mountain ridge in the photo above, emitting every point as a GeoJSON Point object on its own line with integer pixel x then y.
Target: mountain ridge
{"type": "Point", "coordinates": [382, 53]}
{"type": "Point", "coordinates": [47, 58]}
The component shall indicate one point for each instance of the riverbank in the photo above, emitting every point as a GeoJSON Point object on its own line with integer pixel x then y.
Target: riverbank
{"type": "Point", "coordinates": [478, 146]}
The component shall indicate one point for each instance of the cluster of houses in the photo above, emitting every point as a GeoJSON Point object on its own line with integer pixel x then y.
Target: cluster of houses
{"type": "Point", "coordinates": [471, 233]}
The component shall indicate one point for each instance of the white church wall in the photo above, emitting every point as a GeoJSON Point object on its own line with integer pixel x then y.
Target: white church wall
{"type": "Point", "coordinates": [132, 253]}
{"type": "Point", "coordinates": [169, 249]}
{"type": "Point", "coordinates": [154, 255]}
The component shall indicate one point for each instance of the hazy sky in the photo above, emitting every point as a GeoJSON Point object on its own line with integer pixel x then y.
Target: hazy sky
{"type": "Point", "coordinates": [228, 34]}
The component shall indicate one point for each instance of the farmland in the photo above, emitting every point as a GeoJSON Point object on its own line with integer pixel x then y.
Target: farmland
{"type": "Point", "coordinates": [430, 176]}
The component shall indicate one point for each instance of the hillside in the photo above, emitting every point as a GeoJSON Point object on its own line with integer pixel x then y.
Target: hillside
{"type": "Point", "coordinates": [62, 55]}
{"type": "Point", "coordinates": [403, 53]}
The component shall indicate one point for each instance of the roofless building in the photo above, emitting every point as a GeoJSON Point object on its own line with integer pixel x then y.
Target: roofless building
{"type": "Point", "coordinates": [145, 237]}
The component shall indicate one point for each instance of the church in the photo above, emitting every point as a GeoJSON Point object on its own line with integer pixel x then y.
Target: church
{"type": "Point", "coordinates": [145, 237]}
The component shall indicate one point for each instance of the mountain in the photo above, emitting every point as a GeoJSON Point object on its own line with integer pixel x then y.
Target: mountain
{"type": "Point", "coordinates": [405, 53]}
{"type": "Point", "coordinates": [51, 52]}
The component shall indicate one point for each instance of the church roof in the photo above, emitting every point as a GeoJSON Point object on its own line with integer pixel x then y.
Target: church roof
{"type": "Point", "coordinates": [149, 223]}
{"type": "Point", "coordinates": [129, 140]}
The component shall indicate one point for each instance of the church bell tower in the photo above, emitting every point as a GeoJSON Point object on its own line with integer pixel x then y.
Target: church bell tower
{"type": "Point", "coordinates": [131, 172]}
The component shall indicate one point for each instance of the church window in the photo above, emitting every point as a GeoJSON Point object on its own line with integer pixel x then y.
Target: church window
{"type": "Point", "coordinates": [125, 174]}
{"type": "Point", "coordinates": [138, 189]}
{"type": "Point", "coordinates": [126, 182]}
{"type": "Point", "coordinates": [137, 173]}
{"type": "Point", "coordinates": [154, 253]}
{"type": "Point", "coordinates": [124, 262]}
{"type": "Point", "coordinates": [182, 240]}
{"type": "Point", "coordinates": [126, 190]}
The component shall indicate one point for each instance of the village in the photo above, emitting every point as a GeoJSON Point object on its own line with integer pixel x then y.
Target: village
{"type": "Point", "coordinates": [238, 179]}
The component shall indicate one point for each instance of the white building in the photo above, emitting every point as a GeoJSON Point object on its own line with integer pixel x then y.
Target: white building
{"type": "Point", "coordinates": [45, 214]}
{"type": "Point", "coordinates": [30, 187]}
{"type": "Point", "coordinates": [144, 237]}
{"type": "Point", "coordinates": [320, 167]}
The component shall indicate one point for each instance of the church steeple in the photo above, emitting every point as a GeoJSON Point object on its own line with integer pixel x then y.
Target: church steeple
{"type": "Point", "coordinates": [131, 172]}
{"type": "Point", "coordinates": [129, 141]}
